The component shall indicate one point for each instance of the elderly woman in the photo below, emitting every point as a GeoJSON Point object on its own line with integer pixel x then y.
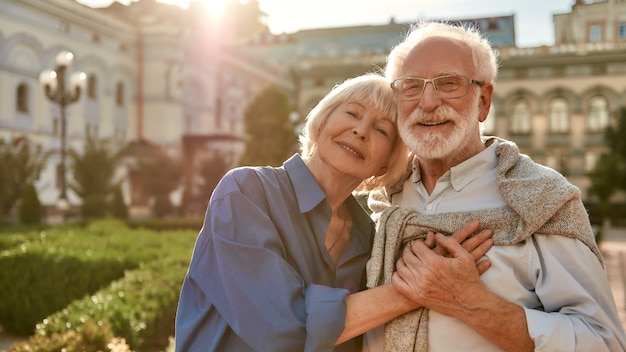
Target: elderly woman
{"type": "Point", "coordinates": [280, 260]}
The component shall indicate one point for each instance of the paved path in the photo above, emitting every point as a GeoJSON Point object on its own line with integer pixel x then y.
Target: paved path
{"type": "Point", "coordinates": [613, 247]}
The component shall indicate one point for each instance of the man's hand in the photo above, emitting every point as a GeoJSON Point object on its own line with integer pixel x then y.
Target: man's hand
{"type": "Point", "coordinates": [445, 284]}
{"type": "Point", "coordinates": [476, 243]}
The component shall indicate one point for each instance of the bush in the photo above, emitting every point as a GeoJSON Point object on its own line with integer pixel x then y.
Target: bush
{"type": "Point", "coordinates": [30, 209]}
{"type": "Point", "coordinates": [162, 206]}
{"type": "Point", "coordinates": [94, 207]}
{"type": "Point", "coordinates": [92, 337]}
{"type": "Point", "coordinates": [119, 210]}
{"type": "Point", "coordinates": [139, 306]}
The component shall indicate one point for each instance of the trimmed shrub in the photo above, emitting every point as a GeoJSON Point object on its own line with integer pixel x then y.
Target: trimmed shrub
{"type": "Point", "coordinates": [94, 207]}
{"type": "Point", "coordinates": [92, 337]}
{"type": "Point", "coordinates": [119, 210]}
{"type": "Point", "coordinates": [30, 209]}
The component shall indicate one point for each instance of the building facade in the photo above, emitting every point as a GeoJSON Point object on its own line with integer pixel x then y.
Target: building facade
{"type": "Point", "coordinates": [166, 78]}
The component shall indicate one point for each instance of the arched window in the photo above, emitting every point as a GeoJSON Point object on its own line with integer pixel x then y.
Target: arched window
{"type": "Point", "coordinates": [92, 83]}
{"type": "Point", "coordinates": [22, 98]}
{"type": "Point", "coordinates": [489, 125]}
{"type": "Point", "coordinates": [119, 94]}
{"type": "Point", "coordinates": [598, 115]}
{"type": "Point", "coordinates": [558, 116]}
{"type": "Point", "coordinates": [520, 118]}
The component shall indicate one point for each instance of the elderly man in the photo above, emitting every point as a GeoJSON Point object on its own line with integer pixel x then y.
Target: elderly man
{"type": "Point", "coordinates": [546, 289]}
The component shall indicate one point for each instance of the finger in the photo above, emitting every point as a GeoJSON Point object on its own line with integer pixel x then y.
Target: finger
{"type": "Point", "coordinates": [466, 231]}
{"type": "Point", "coordinates": [438, 249]}
{"type": "Point", "coordinates": [430, 240]}
{"type": "Point", "coordinates": [482, 249]}
{"type": "Point", "coordinates": [471, 243]}
{"type": "Point", "coordinates": [483, 265]}
{"type": "Point", "coordinates": [421, 253]}
{"type": "Point", "coordinates": [451, 245]}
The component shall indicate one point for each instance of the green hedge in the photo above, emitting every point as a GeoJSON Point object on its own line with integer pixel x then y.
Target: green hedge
{"type": "Point", "coordinates": [43, 272]}
{"type": "Point", "coordinates": [138, 307]}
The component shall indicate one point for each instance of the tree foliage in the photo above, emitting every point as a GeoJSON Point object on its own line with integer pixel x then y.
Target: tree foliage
{"type": "Point", "coordinates": [30, 209]}
{"type": "Point", "coordinates": [271, 135]}
{"type": "Point", "coordinates": [160, 176]}
{"type": "Point", "coordinates": [609, 174]}
{"type": "Point", "coordinates": [21, 163]}
{"type": "Point", "coordinates": [93, 174]}
{"type": "Point", "coordinates": [211, 172]}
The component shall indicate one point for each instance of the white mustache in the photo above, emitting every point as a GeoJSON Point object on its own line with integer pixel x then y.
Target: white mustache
{"type": "Point", "coordinates": [441, 114]}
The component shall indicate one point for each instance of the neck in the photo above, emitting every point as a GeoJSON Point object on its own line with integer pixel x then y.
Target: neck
{"type": "Point", "coordinates": [336, 186]}
{"type": "Point", "coordinates": [431, 170]}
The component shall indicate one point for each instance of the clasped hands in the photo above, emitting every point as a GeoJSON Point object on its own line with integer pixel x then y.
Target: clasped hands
{"type": "Point", "coordinates": [443, 272]}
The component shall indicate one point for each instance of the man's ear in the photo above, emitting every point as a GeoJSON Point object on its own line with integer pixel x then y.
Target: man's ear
{"type": "Point", "coordinates": [486, 92]}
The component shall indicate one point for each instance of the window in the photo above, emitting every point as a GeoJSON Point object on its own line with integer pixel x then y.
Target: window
{"type": "Point", "coordinates": [119, 94]}
{"type": "Point", "coordinates": [558, 118]}
{"type": "Point", "coordinates": [558, 162]}
{"type": "Point", "coordinates": [598, 115]}
{"type": "Point", "coordinates": [595, 33]}
{"type": "Point", "coordinates": [621, 31]}
{"type": "Point", "coordinates": [22, 98]}
{"type": "Point", "coordinates": [591, 159]}
{"type": "Point", "coordinates": [520, 119]}
{"type": "Point", "coordinates": [91, 87]}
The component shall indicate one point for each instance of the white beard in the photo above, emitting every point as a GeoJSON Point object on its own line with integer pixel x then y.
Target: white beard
{"type": "Point", "coordinates": [435, 145]}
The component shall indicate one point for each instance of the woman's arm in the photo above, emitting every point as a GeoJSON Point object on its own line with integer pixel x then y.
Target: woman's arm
{"type": "Point", "coordinates": [371, 308]}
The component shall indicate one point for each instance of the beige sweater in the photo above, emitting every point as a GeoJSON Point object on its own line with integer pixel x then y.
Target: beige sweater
{"type": "Point", "coordinates": [539, 200]}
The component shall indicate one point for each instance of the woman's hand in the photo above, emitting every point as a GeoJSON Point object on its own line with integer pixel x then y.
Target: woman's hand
{"type": "Point", "coordinates": [477, 244]}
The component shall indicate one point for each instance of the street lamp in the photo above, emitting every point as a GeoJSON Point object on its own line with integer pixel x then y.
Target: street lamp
{"type": "Point", "coordinates": [54, 86]}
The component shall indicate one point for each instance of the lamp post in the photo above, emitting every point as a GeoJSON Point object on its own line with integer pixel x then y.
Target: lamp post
{"type": "Point", "coordinates": [54, 86]}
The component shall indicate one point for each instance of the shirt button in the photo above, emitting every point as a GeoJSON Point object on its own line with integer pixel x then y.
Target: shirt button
{"type": "Point", "coordinates": [429, 207]}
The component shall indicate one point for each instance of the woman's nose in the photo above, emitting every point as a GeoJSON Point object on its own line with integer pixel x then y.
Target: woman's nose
{"type": "Point", "coordinates": [359, 133]}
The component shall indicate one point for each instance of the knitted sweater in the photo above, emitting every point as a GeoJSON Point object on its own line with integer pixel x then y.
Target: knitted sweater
{"type": "Point", "coordinates": [538, 200]}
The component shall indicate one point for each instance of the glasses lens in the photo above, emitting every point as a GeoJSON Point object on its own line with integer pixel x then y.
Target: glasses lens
{"type": "Point", "coordinates": [409, 88]}
{"type": "Point", "coordinates": [451, 86]}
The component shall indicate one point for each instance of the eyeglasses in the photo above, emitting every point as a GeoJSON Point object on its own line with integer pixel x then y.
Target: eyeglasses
{"type": "Point", "coordinates": [446, 87]}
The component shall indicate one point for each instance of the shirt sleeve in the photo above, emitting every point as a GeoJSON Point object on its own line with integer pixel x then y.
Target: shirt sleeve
{"type": "Point", "coordinates": [239, 267]}
{"type": "Point", "coordinates": [579, 312]}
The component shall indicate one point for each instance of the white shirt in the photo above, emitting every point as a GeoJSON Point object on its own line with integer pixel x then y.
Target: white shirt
{"type": "Point", "coordinates": [553, 273]}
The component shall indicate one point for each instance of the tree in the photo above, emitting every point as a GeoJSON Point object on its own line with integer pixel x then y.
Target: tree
{"type": "Point", "coordinates": [211, 172]}
{"type": "Point", "coordinates": [160, 176]}
{"type": "Point", "coordinates": [609, 174]}
{"type": "Point", "coordinates": [21, 164]}
{"type": "Point", "coordinates": [271, 135]}
{"type": "Point", "coordinates": [118, 207]}
{"type": "Point", "coordinates": [30, 210]}
{"type": "Point", "coordinates": [93, 177]}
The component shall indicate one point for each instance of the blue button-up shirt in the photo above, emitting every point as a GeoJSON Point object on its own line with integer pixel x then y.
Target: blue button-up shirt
{"type": "Point", "coordinates": [260, 278]}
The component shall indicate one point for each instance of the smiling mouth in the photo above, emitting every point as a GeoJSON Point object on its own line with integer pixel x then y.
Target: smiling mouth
{"type": "Point", "coordinates": [432, 123]}
{"type": "Point", "coordinates": [351, 150]}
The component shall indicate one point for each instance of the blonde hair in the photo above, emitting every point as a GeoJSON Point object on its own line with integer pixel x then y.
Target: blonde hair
{"type": "Point", "coordinates": [484, 58]}
{"type": "Point", "coordinates": [369, 89]}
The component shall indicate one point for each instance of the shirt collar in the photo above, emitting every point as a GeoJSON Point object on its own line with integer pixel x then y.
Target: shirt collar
{"type": "Point", "coordinates": [469, 170]}
{"type": "Point", "coordinates": [307, 190]}
{"type": "Point", "coordinates": [464, 173]}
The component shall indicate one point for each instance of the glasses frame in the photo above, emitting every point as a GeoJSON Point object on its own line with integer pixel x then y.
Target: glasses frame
{"type": "Point", "coordinates": [432, 82]}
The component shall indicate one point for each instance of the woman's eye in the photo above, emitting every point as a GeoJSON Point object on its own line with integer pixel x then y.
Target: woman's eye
{"type": "Point", "coordinates": [353, 114]}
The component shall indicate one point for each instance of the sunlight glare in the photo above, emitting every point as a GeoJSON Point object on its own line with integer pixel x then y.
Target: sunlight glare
{"type": "Point", "coordinates": [215, 7]}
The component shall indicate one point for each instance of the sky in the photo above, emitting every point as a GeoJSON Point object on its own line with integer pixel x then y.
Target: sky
{"type": "Point", "coordinates": [533, 18]}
